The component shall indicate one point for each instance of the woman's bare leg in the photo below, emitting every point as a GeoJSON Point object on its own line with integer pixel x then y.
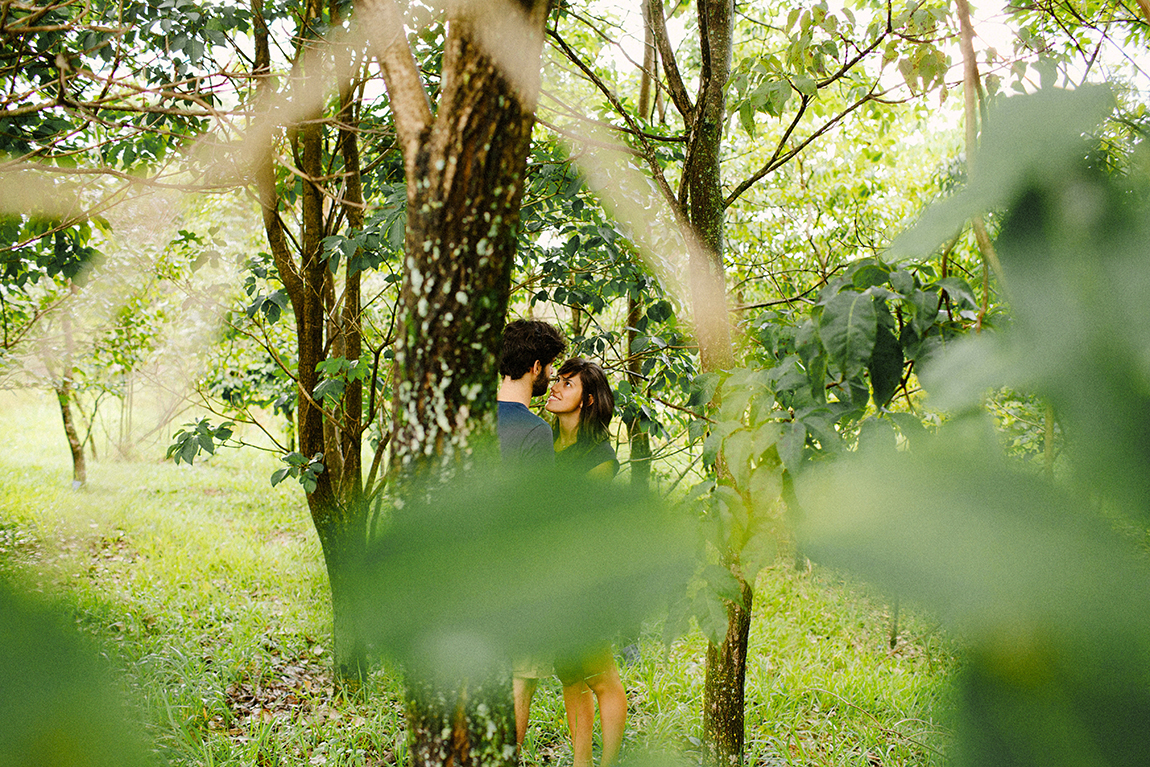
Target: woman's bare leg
{"type": "Point", "coordinates": [580, 706]}
{"type": "Point", "coordinates": [523, 688]}
{"type": "Point", "coordinates": [608, 689]}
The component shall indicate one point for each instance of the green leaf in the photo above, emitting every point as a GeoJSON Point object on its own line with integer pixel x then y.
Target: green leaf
{"type": "Point", "coordinates": [737, 449]}
{"type": "Point", "coordinates": [959, 290]}
{"type": "Point", "coordinates": [791, 445]}
{"type": "Point", "coordinates": [711, 612]}
{"type": "Point", "coordinates": [703, 389]}
{"type": "Point", "coordinates": [902, 281]}
{"type": "Point", "coordinates": [1038, 136]}
{"type": "Point", "coordinates": [805, 85]}
{"type": "Point", "coordinates": [847, 328]}
{"type": "Point", "coordinates": [885, 366]}
{"type": "Point", "coordinates": [909, 425]}
{"type": "Point", "coordinates": [747, 117]}
{"type": "Point", "coordinates": [868, 275]}
{"type": "Point", "coordinates": [721, 581]}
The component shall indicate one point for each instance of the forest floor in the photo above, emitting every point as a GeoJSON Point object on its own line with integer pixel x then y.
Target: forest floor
{"type": "Point", "coordinates": [205, 587]}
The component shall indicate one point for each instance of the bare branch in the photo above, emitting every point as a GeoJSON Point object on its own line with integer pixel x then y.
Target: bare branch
{"type": "Point", "coordinates": [409, 102]}
{"type": "Point", "coordinates": [678, 91]}
{"type": "Point", "coordinates": [647, 150]}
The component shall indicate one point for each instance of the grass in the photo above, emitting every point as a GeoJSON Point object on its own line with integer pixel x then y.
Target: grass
{"type": "Point", "coordinates": [206, 587]}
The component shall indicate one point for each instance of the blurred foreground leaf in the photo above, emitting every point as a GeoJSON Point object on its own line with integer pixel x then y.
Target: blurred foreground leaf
{"type": "Point", "coordinates": [1052, 603]}
{"type": "Point", "coordinates": [499, 565]}
{"type": "Point", "coordinates": [58, 705]}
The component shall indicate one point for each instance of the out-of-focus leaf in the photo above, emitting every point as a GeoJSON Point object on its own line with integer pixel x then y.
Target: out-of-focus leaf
{"type": "Point", "coordinates": [500, 564]}
{"type": "Point", "coordinates": [1053, 604]}
{"type": "Point", "coordinates": [1033, 138]}
{"type": "Point", "coordinates": [58, 705]}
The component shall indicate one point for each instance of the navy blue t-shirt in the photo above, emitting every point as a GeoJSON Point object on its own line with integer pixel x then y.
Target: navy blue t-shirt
{"type": "Point", "coordinates": [523, 436]}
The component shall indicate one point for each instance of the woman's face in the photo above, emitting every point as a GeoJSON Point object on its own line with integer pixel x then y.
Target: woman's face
{"type": "Point", "coordinates": [566, 395]}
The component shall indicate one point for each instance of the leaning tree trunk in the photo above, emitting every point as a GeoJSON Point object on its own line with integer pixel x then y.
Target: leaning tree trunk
{"type": "Point", "coordinates": [464, 168]}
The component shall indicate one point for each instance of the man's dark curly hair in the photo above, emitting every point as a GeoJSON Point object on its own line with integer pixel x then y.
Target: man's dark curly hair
{"type": "Point", "coordinates": [528, 341]}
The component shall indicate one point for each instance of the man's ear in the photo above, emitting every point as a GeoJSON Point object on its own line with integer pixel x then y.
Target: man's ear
{"type": "Point", "coordinates": [537, 368]}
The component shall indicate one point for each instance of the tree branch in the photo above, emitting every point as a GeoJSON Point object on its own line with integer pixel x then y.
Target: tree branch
{"type": "Point", "coordinates": [780, 158]}
{"type": "Point", "coordinates": [265, 174]}
{"type": "Point", "coordinates": [647, 150]}
{"type": "Point", "coordinates": [409, 103]}
{"type": "Point", "coordinates": [679, 95]}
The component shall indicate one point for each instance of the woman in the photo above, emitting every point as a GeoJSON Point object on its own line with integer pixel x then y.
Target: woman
{"type": "Point", "coordinates": [583, 404]}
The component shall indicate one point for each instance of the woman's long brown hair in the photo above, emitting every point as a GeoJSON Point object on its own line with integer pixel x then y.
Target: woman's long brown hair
{"type": "Point", "coordinates": [598, 401]}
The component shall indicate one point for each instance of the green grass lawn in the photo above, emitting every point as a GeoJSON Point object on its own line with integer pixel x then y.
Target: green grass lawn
{"type": "Point", "coordinates": [207, 589]}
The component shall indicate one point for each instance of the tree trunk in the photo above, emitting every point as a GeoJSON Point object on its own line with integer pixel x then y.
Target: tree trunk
{"type": "Point", "coordinates": [464, 170]}
{"type": "Point", "coordinates": [64, 397]}
{"type": "Point", "coordinates": [640, 440]}
{"type": "Point", "coordinates": [337, 508]}
{"type": "Point", "coordinates": [464, 188]}
{"type": "Point", "coordinates": [723, 709]}
{"type": "Point", "coordinates": [63, 387]}
{"type": "Point", "coordinates": [703, 179]}
{"type": "Point", "coordinates": [723, 714]}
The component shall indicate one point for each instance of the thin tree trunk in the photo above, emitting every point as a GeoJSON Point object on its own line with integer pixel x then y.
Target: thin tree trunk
{"type": "Point", "coordinates": [703, 181]}
{"type": "Point", "coordinates": [640, 440]}
{"type": "Point", "coordinates": [63, 389]}
{"type": "Point", "coordinates": [723, 710]}
{"type": "Point", "coordinates": [64, 397]}
{"type": "Point", "coordinates": [971, 87]}
{"type": "Point", "coordinates": [340, 520]}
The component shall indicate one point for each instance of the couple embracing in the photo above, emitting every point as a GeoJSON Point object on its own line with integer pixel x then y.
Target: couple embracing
{"type": "Point", "coordinates": [582, 402]}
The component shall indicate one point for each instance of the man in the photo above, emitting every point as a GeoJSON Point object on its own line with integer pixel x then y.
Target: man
{"type": "Point", "coordinates": [525, 361]}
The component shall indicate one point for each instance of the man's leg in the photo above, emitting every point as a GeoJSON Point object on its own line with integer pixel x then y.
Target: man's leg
{"type": "Point", "coordinates": [580, 706]}
{"type": "Point", "coordinates": [523, 689]}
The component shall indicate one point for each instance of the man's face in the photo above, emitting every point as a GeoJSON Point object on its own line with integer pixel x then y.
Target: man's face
{"type": "Point", "coordinates": [541, 382]}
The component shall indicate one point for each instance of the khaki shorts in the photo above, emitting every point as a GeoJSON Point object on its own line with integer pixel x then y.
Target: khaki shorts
{"type": "Point", "coordinates": [532, 668]}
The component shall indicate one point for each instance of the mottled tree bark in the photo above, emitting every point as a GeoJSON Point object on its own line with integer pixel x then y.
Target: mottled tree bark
{"type": "Point", "coordinates": [465, 185]}
{"type": "Point", "coordinates": [703, 186]}
{"type": "Point", "coordinates": [723, 699]}
{"type": "Point", "coordinates": [723, 710]}
{"type": "Point", "coordinates": [464, 168]}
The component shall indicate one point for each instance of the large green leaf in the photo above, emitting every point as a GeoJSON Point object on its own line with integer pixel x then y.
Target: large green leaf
{"type": "Point", "coordinates": [1050, 596]}
{"type": "Point", "coordinates": [502, 563]}
{"type": "Point", "coordinates": [847, 328]}
{"type": "Point", "coordinates": [885, 366]}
